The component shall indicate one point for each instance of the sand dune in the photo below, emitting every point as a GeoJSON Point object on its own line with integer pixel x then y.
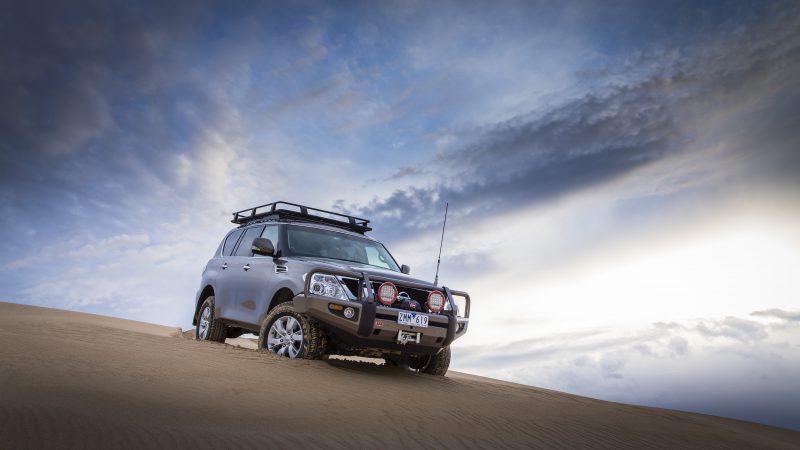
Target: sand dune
{"type": "Point", "coordinates": [71, 380]}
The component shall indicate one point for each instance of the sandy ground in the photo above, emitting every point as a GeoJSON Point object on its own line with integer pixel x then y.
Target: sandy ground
{"type": "Point", "coordinates": [71, 380]}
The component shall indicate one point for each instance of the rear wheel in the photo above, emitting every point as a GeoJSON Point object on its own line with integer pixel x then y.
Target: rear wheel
{"type": "Point", "coordinates": [209, 327]}
{"type": "Point", "coordinates": [287, 333]}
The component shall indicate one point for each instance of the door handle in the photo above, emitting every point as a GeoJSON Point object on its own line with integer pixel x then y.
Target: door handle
{"type": "Point", "coordinates": [246, 266]}
{"type": "Point", "coordinates": [224, 266]}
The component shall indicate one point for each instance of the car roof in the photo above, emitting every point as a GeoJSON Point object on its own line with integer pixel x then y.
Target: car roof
{"type": "Point", "coordinates": [311, 225]}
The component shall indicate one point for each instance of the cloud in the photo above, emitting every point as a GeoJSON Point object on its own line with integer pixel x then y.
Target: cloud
{"type": "Point", "coordinates": [406, 171]}
{"type": "Point", "coordinates": [679, 346]}
{"type": "Point", "coordinates": [788, 316]}
{"type": "Point", "coordinates": [702, 105]}
{"type": "Point", "coordinates": [77, 250]}
{"type": "Point", "coordinates": [63, 74]}
{"type": "Point", "coordinates": [91, 105]}
{"type": "Point", "coordinates": [683, 365]}
{"type": "Point", "coordinates": [734, 328]}
{"type": "Point", "coordinates": [122, 275]}
{"type": "Point", "coordinates": [306, 98]}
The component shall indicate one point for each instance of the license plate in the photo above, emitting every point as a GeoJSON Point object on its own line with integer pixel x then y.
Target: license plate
{"type": "Point", "coordinates": [413, 319]}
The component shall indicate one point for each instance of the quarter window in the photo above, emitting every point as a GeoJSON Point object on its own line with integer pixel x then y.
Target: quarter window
{"type": "Point", "coordinates": [230, 242]}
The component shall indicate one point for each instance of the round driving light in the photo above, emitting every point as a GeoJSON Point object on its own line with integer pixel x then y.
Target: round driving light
{"type": "Point", "coordinates": [436, 301]}
{"type": "Point", "coordinates": [387, 293]}
{"type": "Point", "coordinates": [349, 312]}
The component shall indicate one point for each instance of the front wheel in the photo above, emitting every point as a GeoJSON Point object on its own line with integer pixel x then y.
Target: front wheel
{"type": "Point", "coordinates": [431, 364]}
{"type": "Point", "coordinates": [287, 333]}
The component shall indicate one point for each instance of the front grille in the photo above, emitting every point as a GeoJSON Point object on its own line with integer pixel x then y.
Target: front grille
{"type": "Point", "coordinates": [420, 296]}
{"type": "Point", "coordinates": [352, 285]}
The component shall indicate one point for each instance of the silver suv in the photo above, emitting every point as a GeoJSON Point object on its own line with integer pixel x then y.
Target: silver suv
{"type": "Point", "coordinates": [310, 283]}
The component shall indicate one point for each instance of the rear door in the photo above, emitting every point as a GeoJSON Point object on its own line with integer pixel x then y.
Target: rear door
{"type": "Point", "coordinates": [238, 279]}
{"type": "Point", "coordinates": [223, 288]}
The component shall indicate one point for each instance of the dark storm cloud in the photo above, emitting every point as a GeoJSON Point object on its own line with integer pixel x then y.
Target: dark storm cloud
{"type": "Point", "coordinates": [63, 69]}
{"type": "Point", "coordinates": [97, 99]}
{"type": "Point", "coordinates": [670, 96]}
{"type": "Point", "coordinates": [529, 159]}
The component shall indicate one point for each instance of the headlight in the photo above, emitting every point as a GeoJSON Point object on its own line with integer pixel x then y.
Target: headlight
{"type": "Point", "coordinates": [327, 285]}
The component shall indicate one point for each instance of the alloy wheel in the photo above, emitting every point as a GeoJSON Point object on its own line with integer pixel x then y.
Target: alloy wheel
{"type": "Point", "coordinates": [285, 337]}
{"type": "Point", "coordinates": [205, 323]}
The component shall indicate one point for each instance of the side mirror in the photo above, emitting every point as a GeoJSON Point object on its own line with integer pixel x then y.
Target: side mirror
{"type": "Point", "coordinates": [263, 246]}
{"type": "Point", "coordinates": [405, 269]}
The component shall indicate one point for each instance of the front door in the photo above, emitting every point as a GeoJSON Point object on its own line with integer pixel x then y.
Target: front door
{"type": "Point", "coordinates": [253, 277]}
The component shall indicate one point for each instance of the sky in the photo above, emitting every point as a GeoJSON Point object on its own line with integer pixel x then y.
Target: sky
{"type": "Point", "coordinates": [622, 175]}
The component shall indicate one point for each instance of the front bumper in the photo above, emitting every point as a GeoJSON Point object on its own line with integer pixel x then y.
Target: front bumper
{"type": "Point", "coordinates": [374, 325]}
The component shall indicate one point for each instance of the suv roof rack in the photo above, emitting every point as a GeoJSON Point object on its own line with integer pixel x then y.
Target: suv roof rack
{"type": "Point", "coordinates": [302, 214]}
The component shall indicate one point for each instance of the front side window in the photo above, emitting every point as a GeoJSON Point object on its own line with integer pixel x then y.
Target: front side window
{"type": "Point", "coordinates": [271, 233]}
{"type": "Point", "coordinates": [306, 241]}
{"type": "Point", "coordinates": [245, 247]}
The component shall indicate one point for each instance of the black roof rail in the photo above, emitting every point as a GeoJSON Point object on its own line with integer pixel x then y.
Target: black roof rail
{"type": "Point", "coordinates": [300, 213]}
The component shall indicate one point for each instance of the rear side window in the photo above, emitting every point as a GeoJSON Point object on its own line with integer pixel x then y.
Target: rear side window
{"type": "Point", "coordinates": [244, 248]}
{"type": "Point", "coordinates": [230, 242]}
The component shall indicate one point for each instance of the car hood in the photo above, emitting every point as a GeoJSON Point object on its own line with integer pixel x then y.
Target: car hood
{"type": "Point", "coordinates": [357, 267]}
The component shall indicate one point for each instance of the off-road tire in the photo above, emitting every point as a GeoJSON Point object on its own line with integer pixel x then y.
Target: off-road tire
{"type": "Point", "coordinates": [314, 340]}
{"type": "Point", "coordinates": [217, 331]}
{"type": "Point", "coordinates": [439, 363]}
{"type": "Point", "coordinates": [433, 365]}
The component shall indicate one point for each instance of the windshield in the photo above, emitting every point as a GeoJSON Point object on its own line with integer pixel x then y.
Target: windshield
{"type": "Point", "coordinates": [306, 241]}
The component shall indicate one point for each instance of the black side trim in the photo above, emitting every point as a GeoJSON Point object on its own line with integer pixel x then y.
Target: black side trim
{"type": "Point", "coordinates": [368, 285]}
{"type": "Point", "coordinates": [367, 319]}
{"type": "Point", "coordinates": [243, 325]}
{"type": "Point", "coordinates": [452, 324]}
{"type": "Point", "coordinates": [452, 321]}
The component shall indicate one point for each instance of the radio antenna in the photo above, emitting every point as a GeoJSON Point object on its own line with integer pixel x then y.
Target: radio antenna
{"type": "Point", "coordinates": [439, 261]}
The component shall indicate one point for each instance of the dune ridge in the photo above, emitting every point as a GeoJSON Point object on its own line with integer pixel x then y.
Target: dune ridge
{"type": "Point", "coordinates": [74, 380]}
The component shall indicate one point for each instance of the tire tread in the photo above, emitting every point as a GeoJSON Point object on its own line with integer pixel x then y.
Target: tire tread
{"type": "Point", "coordinates": [314, 338]}
{"type": "Point", "coordinates": [439, 363]}
{"type": "Point", "coordinates": [217, 331]}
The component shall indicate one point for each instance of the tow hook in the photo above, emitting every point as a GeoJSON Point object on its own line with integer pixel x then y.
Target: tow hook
{"type": "Point", "coordinates": [404, 337]}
